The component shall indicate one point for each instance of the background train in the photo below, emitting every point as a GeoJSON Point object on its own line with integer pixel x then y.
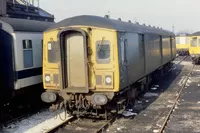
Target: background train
{"type": "Point", "coordinates": [183, 44]}
{"type": "Point", "coordinates": [21, 28]}
{"type": "Point", "coordinates": [20, 55]}
{"type": "Point", "coordinates": [194, 48]}
{"type": "Point", "coordinates": [92, 63]}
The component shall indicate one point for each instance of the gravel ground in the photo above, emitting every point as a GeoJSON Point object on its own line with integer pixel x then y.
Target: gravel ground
{"type": "Point", "coordinates": [186, 117]}
{"type": "Point", "coordinates": [38, 123]}
{"type": "Point", "coordinates": [153, 108]}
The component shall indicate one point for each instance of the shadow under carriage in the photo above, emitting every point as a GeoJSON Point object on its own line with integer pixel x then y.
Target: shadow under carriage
{"type": "Point", "coordinates": [163, 83]}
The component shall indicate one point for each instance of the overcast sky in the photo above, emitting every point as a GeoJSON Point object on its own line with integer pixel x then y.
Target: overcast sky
{"type": "Point", "coordinates": [183, 14]}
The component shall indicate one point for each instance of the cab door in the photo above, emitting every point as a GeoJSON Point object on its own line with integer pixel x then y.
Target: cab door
{"type": "Point", "coordinates": [123, 61]}
{"type": "Point", "coordinates": [75, 63]}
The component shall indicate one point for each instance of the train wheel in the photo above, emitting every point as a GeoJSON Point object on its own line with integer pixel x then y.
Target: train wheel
{"type": "Point", "coordinates": [195, 61]}
{"type": "Point", "coordinates": [132, 94]}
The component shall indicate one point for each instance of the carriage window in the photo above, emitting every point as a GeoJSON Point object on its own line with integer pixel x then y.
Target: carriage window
{"type": "Point", "coordinates": [28, 53]}
{"type": "Point", "coordinates": [177, 40]}
{"type": "Point", "coordinates": [103, 51]}
{"type": "Point", "coordinates": [194, 42]}
{"type": "Point", "coordinates": [198, 42]}
{"type": "Point", "coordinates": [187, 40]}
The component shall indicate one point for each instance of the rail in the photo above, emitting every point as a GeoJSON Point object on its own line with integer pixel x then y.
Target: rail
{"type": "Point", "coordinates": [176, 101]}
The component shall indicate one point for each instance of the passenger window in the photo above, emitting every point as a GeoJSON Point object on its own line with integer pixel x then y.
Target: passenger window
{"type": "Point", "coordinates": [177, 40]}
{"type": "Point", "coordinates": [187, 40]}
{"type": "Point", "coordinates": [194, 42]}
{"type": "Point", "coordinates": [28, 53]}
{"type": "Point", "coordinates": [198, 42]}
{"type": "Point", "coordinates": [103, 51]}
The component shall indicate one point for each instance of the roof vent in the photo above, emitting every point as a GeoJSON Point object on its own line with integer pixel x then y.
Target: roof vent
{"type": "Point", "coordinates": [119, 19]}
{"type": "Point", "coordinates": [149, 25]}
{"type": "Point", "coordinates": [106, 16]}
{"type": "Point", "coordinates": [136, 22]}
{"type": "Point", "coordinates": [144, 24]}
{"type": "Point", "coordinates": [129, 21]}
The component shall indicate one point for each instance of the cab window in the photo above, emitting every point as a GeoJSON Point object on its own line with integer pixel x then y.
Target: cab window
{"type": "Point", "coordinates": [103, 52]}
{"type": "Point", "coordinates": [194, 42]}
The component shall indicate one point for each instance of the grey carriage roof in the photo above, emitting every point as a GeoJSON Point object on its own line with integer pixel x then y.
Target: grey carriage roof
{"type": "Point", "coordinates": [96, 21]}
{"type": "Point", "coordinates": [27, 25]}
{"type": "Point", "coordinates": [183, 35]}
{"type": "Point", "coordinates": [196, 33]}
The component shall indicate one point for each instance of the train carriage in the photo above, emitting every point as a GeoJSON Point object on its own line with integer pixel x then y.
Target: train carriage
{"type": "Point", "coordinates": [20, 55]}
{"type": "Point", "coordinates": [183, 44]}
{"type": "Point", "coordinates": [194, 48]}
{"type": "Point", "coordinates": [92, 63]}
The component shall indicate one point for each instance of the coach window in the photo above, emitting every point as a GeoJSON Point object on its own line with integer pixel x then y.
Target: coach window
{"type": "Point", "coordinates": [194, 42]}
{"type": "Point", "coordinates": [177, 40]}
{"type": "Point", "coordinates": [28, 53]}
{"type": "Point", "coordinates": [187, 40]}
{"type": "Point", "coordinates": [103, 51]}
{"type": "Point", "coordinates": [198, 42]}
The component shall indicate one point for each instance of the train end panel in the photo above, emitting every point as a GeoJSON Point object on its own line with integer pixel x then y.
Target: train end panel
{"type": "Point", "coordinates": [194, 49]}
{"type": "Point", "coordinates": [92, 63]}
{"type": "Point", "coordinates": [87, 63]}
{"type": "Point", "coordinates": [182, 44]}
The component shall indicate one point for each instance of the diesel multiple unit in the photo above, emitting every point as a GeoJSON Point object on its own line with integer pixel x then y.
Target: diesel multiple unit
{"type": "Point", "coordinates": [183, 44]}
{"type": "Point", "coordinates": [194, 48]}
{"type": "Point", "coordinates": [92, 63]}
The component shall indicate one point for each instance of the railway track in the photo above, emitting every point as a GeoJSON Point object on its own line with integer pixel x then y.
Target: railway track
{"type": "Point", "coordinates": [75, 125]}
{"type": "Point", "coordinates": [179, 59]}
{"type": "Point", "coordinates": [83, 125]}
{"type": "Point", "coordinates": [176, 102]}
